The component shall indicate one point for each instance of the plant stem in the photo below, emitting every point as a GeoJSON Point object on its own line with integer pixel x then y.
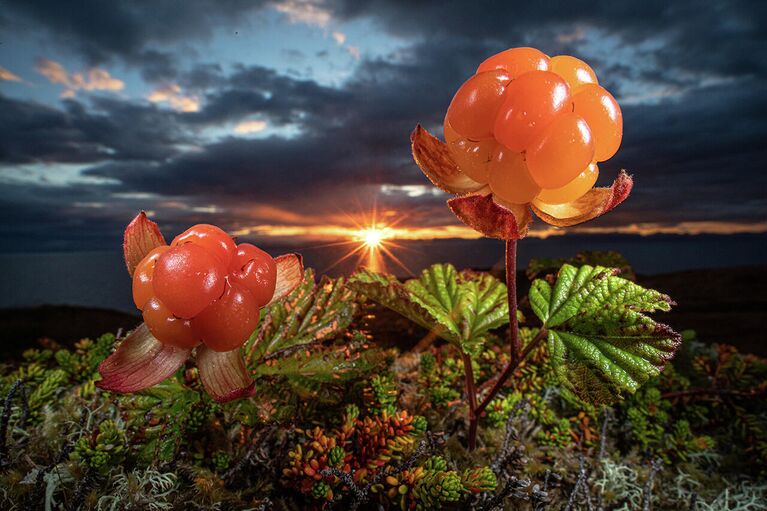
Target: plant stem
{"type": "Point", "coordinates": [514, 345]}
{"type": "Point", "coordinates": [510, 368]}
{"type": "Point", "coordinates": [471, 393]}
{"type": "Point", "coordinates": [511, 291]}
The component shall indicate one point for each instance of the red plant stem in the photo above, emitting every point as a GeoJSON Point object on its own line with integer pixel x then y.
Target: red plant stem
{"type": "Point", "coordinates": [509, 370]}
{"type": "Point", "coordinates": [471, 393]}
{"type": "Point", "coordinates": [516, 355]}
{"type": "Point", "coordinates": [511, 292]}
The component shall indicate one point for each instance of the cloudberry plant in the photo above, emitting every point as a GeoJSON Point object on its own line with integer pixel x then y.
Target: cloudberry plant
{"type": "Point", "coordinates": [203, 293]}
{"type": "Point", "coordinates": [525, 132]}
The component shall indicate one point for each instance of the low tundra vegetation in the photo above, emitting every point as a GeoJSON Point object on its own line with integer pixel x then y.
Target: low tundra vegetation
{"type": "Point", "coordinates": [601, 406]}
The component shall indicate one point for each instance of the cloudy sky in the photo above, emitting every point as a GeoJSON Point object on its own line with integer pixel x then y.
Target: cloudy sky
{"type": "Point", "coordinates": [289, 119]}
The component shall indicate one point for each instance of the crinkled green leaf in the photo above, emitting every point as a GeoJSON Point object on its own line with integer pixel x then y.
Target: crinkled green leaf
{"type": "Point", "coordinates": [292, 340]}
{"type": "Point", "coordinates": [386, 290]}
{"type": "Point", "coordinates": [437, 291]}
{"type": "Point", "coordinates": [324, 364]}
{"type": "Point", "coordinates": [310, 314]}
{"type": "Point", "coordinates": [461, 307]}
{"type": "Point", "coordinates": [601, 340]}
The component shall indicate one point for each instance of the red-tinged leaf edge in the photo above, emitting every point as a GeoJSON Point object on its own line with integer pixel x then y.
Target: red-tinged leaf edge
{"type": "Point", "coordinates": [224, 374]}
{"type": "Point", "coordinates": [290, 273]}
{"type": "Point", "coordinates": [594, 203]}
{"type": "Point", "coordinates": [434, 159]}
{"type": "Point", "coordinates": [484, 215]}
{"type": "Point", "coordinates": [141, 237]}
{"type": "Point", "coordinates": [139, 362]}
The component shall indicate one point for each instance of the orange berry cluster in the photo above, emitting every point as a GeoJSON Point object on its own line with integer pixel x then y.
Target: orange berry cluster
{"type": "Point", "coordinates": [533, 127]}
{"type": "Point", "coordinates": [204, 288]}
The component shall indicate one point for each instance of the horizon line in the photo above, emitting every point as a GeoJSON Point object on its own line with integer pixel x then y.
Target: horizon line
{"type": "Point", "coordinates": [325, 232]}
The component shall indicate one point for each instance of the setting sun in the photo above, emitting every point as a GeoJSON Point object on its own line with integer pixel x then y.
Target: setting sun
{"type": "Point", "coordinates": [371, 240]}
{"type": "Point", "coordinates": [373, 237]}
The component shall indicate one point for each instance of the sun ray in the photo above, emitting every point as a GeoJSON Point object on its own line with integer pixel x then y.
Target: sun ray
{"type": "Point", "coordinates": [372, 237]}
{"type": "Point", "coordinates": [345, 257]}
{"type": "Point", "coordinates": [397, 260]}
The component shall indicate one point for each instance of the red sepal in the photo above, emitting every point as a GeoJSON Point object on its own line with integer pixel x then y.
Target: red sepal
{"type": "Point", "coordinates": [594, 203]}
{"type": "Point", "coordinates": [290, 273]}
{"type": "Point", "coordinates": [484, 215]}
{"type": "Point", "coordinates": [140, 362]}
{"type": "Point", "coordinates": [224, 374]}
{"type": "Point", "coordinates": [141, 237]}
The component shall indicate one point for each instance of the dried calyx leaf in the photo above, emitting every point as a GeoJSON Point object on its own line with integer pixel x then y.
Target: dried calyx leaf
{"type": "Point", "coordinates": [594, 203]}
{"type": "Point", "coordinates": [434, 159]}
{"type": "Point", "coordinates": [290, 273]}
{"type": "Point", "coordinates": [223, 374]}
{"type": "Point", "coordinates": [140, 362]}
{"type": "Point", "coordinates": [141, 237]}
{"type": "Point", "coordinates": [484, 215]}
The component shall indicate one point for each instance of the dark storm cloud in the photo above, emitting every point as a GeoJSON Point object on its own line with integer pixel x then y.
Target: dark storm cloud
{"type": "Point", "coordinates": [44, 218]}
{"type": "Point", "coordinates": [357, 135]}
{"type": "Point", "coordinates": [258, 90]}
{"type": "Point", "coordinates": [105, 31]}
{"type": "Point", "coordinates": [699, 157]}
{"type": "Point", "coordinates": [106, 129]}
{"type": "Point", "coordinates": [679, 43]}
{"type": "Point", "coordinates": [726, 36]}
{"type": "Point", "coordinates": [488, 17]}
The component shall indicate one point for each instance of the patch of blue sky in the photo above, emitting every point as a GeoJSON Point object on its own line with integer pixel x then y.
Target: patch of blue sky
{"type": "Point", "coordinates": [213, 134]}
{"type": "Point", "coordinates": [22, 54]}
{"type": "Point", "coordinates": [324, 53]}
{"type": "Point", "coordinates": [51, 174]}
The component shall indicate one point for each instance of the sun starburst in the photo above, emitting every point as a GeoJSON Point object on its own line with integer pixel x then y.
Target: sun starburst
{"type": "Point", "coordinates": [373, 237]}
{"type": "Point", "coordinates": [371, 240]}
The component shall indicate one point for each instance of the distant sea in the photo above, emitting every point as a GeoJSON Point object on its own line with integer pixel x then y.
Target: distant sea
{"type": "Point", "coordinates": [99, 279]}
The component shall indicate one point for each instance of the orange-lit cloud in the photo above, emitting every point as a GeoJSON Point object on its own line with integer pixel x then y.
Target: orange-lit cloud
{"type": "Point", "coordinates": [90, 80]}
{"type": "Point", "coordinates": [297, 226]}
{"type": "Point", "coordinates": [272, 214]}
{"type": "Point", "coordinates": [336, 232]}
{"type": "Point", "coordinates": [8, 76]}
{"type": "Point", "coordinates": [174, 97]}
{"type": "Point", "coordinates": [353, 51]}
{"type": "Point", "coordinates": [308, 12]}
{"type": "Point", "coordinates": [578, 34]}
{"type": "Point", "coordinates": [339, 37]}
{"type": "Point", "coordinates": [247, 127]}
{"type": "Point", "coordinates": [688, 228]}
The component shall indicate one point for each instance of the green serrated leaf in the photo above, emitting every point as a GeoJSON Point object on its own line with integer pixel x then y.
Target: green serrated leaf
{"type": "Point", "coordinates": [601, 341]}
{"type": "Point", "coordinates": [327, 364]}
{"type": "Point", "coordinates": [437, 292]}
{"type": "Point", "coordinates": [388, 291]}
{"type": "Point", "coordinates": [460, 307]}
{"type": "Point", "coordinates": [311, 314]}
